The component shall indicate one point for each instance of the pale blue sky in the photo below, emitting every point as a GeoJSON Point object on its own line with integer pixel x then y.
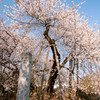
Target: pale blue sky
{"type": "Point", "coordinates": [89, 8]}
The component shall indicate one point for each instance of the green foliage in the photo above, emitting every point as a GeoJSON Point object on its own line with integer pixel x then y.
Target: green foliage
{"type": "Point", "coordinates": [86, 84]}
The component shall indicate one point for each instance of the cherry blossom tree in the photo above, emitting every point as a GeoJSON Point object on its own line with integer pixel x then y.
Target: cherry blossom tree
{"type": "Point", "coordinates": [59, 25]}
{"type": "Point", "coordinates": [12, 45]}
{"type": "Point", "coordinates": [51, 23]}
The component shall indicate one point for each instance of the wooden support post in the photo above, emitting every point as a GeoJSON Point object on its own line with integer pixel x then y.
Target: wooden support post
{"type": "Point", "coordinates": [24, 77]}
{"type": "Point", "coordinates": [70, 77]}
{"type": "Point", "coordinates": [77, 93]}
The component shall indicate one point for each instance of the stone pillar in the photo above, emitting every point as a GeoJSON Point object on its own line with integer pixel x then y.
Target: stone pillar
{"type": "Point", "coordinates": [24, 77]}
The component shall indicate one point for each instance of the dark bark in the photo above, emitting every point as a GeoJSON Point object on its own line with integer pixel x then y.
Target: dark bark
{"type": "Point", "coordinates": [54, 71]}
{"type": "Point", "coordinates": [52, 78]}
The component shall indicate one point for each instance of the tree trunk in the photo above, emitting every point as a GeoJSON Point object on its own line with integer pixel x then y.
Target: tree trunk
{"type": "Point", "coordinates": [54, 71]}
{"type": "Point", "coordinates": [53, 74]}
